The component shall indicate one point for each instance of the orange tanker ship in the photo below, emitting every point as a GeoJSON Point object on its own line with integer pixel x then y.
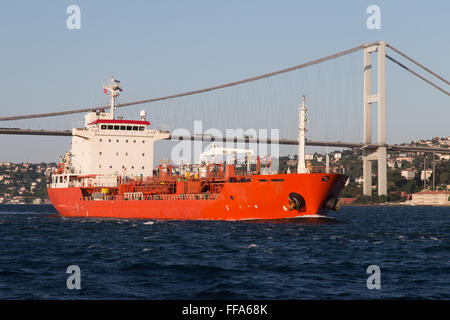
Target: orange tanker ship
{"type": "Point", "coordinates": [109, 173]}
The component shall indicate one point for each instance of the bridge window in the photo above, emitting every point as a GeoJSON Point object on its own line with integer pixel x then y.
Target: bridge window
{"type": "Point", "coordinates": [129, 128]}
{"type": "Point", "coordinates": [135, 128]}
{"type": "Point", "coordinates": [262, 180]}
{"type": "Point", "coordinates": [110, 127]}
{"type": "Point", "coordinates": [141, 128]}
{"type": "Point", "coordinates": [277, 180]}
{"type": "Point", "coordinates": [123, 128]}
{"type": "Point", "coordinates": [116, 127]}
{"type": "Point", "coordinates": [103, 127]}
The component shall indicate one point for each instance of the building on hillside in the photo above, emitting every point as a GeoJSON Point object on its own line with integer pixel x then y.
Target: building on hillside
{"type": "Point", "coordinates": [359, 180]}
{"type": "Point", "coordinates": [405, 195]}
{"type": "Point", "coordinates": [405, 158]}
{"type": "Point", "coordinates": [346, 201]}
{"type": "Point", "coordinates": [409, 174]}
{"type": "Point", "coordinates": [431, 198]}
{"type": "Point", "coordinates": [391, 163]}
{"type": "Point", "coordinates": [426, 174]}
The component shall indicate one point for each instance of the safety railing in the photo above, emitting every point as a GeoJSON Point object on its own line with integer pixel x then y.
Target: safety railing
{"type": "Point", "coordinates": [324, 169]}
{"type": "Point", "coordinates": [172, 197]}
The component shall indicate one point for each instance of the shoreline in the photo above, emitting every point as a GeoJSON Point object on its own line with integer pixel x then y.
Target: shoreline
{"type": "Point", "coordinates": [394, 205]}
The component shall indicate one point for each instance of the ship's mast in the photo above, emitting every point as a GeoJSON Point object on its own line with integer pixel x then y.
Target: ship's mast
{"type": "Point", "coordinates": [301, 167]}
{"type": "Point", "coordinates": [113, 89]}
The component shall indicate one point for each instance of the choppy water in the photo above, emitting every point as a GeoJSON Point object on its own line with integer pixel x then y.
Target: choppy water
{"type": "Point", "coordinates": [302, 259]}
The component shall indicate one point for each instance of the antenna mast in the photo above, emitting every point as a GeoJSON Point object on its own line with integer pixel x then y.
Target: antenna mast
{"type": "Point", "coordinates": [113, 89]}
{"type": "Point", "coordinates": [301, 167]}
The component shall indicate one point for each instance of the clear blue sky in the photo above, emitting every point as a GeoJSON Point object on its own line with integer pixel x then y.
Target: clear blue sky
{"type": "Point", "coordinates": [162, 47]}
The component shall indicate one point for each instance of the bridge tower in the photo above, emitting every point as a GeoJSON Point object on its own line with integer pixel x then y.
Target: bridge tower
{"type": "Point", "coordinates": [375, 153]}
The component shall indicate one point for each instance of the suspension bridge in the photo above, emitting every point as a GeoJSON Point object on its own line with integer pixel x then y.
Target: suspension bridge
{"type": "Point", "coordinates": [373, 151]}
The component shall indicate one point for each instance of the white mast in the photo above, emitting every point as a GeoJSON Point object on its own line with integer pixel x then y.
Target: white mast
{"type": "Point", "coordinates": [113, 89]}
{"type": "Point", "coordinates": [301, 167]}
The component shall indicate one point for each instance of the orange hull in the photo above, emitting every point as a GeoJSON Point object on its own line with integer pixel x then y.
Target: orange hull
{"type": "Point", "coordinates": [257, 199]}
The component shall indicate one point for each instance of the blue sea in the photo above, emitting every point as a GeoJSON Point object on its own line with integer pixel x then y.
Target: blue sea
{"type": "Point", "coordinates": [293, 259]}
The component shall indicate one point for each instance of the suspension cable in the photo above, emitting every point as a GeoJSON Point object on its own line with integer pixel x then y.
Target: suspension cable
{"type": "Point", "coordinates": [189, 93]}
{"type": "Point", "coordinates": [420, 65]}
{"type": "Point", "coordinates": [418, 75]}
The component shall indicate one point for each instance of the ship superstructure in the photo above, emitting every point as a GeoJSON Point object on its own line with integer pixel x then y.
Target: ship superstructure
{"type": "Point", "coordinates": [108, 147]}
